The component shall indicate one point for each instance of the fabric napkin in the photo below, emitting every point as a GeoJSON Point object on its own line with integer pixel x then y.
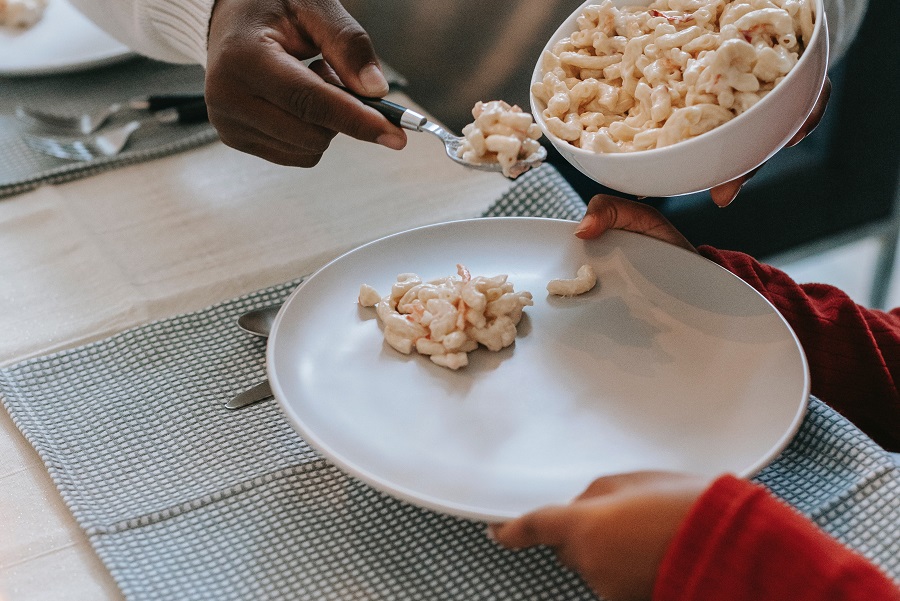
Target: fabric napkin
{"type": "Point", "coordinates": [184, 499]}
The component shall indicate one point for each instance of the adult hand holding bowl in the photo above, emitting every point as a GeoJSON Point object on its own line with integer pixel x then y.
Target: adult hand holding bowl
{"type": "Point", "coordinates": [618, 133]}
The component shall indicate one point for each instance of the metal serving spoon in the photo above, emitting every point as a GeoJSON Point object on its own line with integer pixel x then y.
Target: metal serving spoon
{"type": "Point", "coordinates": [259, 323]}
{"type": "Point", "coordinates": [409, 119]}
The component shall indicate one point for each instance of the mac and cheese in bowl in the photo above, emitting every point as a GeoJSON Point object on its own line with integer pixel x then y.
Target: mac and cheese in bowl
{"type": "Point", "coordinates": [663, 79]}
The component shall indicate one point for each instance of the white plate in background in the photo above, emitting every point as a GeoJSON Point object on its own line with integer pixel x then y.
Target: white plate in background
{"type": "Point", "coordinates": [63, 41]}
{"type": "Point", "coordinates": [670, 363]}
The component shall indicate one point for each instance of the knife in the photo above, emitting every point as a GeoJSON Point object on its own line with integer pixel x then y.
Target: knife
{"type": "Point", "coordinates": [260, 392]}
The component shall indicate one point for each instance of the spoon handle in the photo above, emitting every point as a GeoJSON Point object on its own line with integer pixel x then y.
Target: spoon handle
{"type": "Point", "coordinates": [193, 112]}
{"type": "Point", "coordinates": [255, 394]}
{"type": "Point", "coordinates": [397, 114]}
{"type": "Point", "coordinates": [158, 102]}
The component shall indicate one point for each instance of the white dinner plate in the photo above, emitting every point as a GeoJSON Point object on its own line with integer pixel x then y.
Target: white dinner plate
{"type": "Point", "coordinates": [64, 40]}
{"type": "Point", "coordinates": [670, 363]}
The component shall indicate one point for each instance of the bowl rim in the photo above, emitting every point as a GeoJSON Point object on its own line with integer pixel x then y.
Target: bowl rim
{"type": "Point", "coordinates": [819, 30]}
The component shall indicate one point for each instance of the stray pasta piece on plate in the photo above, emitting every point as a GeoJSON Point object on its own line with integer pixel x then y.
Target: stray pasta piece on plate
{"type": "Point", "coordinates": [500, 134]}
{"type": "Point", "coordinates": [643, 77]}
{"type": "Point", "coordinates": [368, 296]}
{"type": "Point", "coordinates": [21, 13]}
{"type": "Point", "coordinates": [584, 280]}
{"type": "Point", "coordinates": [449, 317]}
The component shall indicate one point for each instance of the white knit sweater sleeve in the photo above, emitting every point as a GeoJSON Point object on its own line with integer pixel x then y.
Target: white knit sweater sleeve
{"type": "Point", "coordinates": [168, 30]}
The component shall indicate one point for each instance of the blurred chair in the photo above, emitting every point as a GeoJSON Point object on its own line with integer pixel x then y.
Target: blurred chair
{"type": "Point", "coordinates": [838, 186]}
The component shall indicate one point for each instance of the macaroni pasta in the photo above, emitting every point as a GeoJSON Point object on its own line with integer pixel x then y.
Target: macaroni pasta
{"type": "Point", "coordinates": [449, 317]}
{"type": "Point", "coordinates": [643, 77]}
{"type": "Point", "coordinates": [500, 133]}
{"type": "Point", "coordinates": [21, 13]}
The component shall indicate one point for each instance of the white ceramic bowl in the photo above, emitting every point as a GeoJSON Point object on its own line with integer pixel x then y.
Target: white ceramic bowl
{"type": "Point", "coordinates": [718, 156]}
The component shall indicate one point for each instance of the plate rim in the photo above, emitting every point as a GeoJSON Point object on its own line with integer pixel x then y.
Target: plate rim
{"type": "Point", "coordinates": [464, 510]}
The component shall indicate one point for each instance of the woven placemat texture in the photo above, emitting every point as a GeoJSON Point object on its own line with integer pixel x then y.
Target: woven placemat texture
{"type": "Point", "coordinates": [184, 499]}
{"type": "Point", "coordinates": [23, 168]}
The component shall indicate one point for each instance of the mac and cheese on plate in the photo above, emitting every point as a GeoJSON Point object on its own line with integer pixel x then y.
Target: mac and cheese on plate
{"type": "Point", "coordinates": [449, 317]}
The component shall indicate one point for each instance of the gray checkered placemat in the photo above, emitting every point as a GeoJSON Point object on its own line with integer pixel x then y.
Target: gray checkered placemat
{"type": "Point", "coordinates": [23, 169]}
{"type": "Point", "coordinates": [184, 499]}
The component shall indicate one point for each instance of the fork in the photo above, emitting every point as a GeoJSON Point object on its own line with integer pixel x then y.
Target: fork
{"type": "Point", "coordinates": [409, 119]}
{"type": "Point", "coordinates": [90, 122]}
{"type": "Point", "coordinates": [110, 142]}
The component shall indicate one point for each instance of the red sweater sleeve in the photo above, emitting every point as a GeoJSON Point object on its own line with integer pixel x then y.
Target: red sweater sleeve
{"type": "Point", "coordinates": [853, 352]}
{"type": "Point", "coordinates": [740, 543]}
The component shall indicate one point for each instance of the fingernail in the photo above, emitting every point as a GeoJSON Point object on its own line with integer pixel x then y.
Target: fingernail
{"type": "Point", "coordinates": [373, 81]}
{"type": "Point", "coordinates": [586, 223]}
{"type": "Point", "coordinates": [489, 531]}
{"type": "Point", "coordinates": [733, 196]}
{"type": "Point", "coordinates": [392, 141]}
